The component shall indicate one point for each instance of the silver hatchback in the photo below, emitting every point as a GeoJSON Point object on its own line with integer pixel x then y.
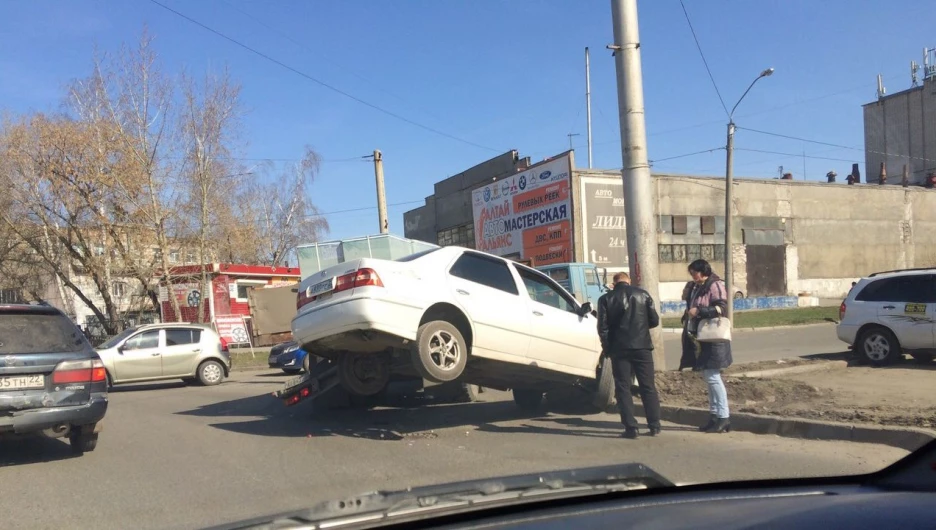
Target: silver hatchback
{"type": "Point", "coordinates": [156, 352]}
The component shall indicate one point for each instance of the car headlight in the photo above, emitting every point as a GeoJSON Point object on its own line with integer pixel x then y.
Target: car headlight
{"type": "Point", "coordinates": [291, 349]}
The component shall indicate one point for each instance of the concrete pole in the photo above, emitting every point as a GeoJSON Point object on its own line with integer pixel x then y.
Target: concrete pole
{"type": "Point", "coordinates": [588, 105]}
{"type": "Point", "coordinates": [381, 193]}
{"type": "Point", "coordinates": [638, 191]}
{"type": "Point", "coordinates": [729, 203]}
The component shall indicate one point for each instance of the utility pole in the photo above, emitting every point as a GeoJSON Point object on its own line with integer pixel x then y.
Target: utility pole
{"type": "Point", "coordinates": [588, 105]}
{"type": "Point", "coordinates": [638, 191]}
{"type": "Point", "coordinates": [729, 216]}
{"type": "Point", "coordinates": [381, 193]}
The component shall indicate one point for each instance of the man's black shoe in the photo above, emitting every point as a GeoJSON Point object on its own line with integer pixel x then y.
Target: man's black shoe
{"type": "Point", "coordinates": [655, 431]}
{"type": "Point", "coordinates": [630, 434]}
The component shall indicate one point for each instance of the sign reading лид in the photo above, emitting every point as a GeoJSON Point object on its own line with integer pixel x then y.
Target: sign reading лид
{"type": "Point", "coordinates": [528, 214]}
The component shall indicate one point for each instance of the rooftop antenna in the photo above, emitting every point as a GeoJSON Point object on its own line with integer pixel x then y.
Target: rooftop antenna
{"type": "Point", "coordinates": [929, 68]}
{"type": "Point", "coordinates": [880, 90]}
{"type": "Point", "coordinates": [914, 68]}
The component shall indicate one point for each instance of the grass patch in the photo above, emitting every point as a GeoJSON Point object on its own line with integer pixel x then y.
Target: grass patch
{"type": "Point", "coordinates": [241, 360]}
{"type": "Point", "coordinates": [774, 317]}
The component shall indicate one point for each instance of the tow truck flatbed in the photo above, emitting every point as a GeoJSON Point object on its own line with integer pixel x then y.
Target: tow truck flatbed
{"type": "Point", "coordinates": [308, 386]}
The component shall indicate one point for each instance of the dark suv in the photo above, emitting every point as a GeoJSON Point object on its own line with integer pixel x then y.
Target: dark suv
{"type": "Point", "coordinates": [52, 382]}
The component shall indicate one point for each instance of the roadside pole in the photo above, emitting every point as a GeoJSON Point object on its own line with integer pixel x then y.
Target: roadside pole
{"type": "Point", "coordinates": [638, 189]}
{"type": "Point", "coordinates": [381, 193]}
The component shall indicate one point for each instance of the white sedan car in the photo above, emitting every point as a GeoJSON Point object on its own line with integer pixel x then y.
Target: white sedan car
{"type": "Point", "coordinates": [452, 313]}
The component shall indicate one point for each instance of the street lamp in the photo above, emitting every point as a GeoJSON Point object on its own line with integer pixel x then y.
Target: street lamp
{"type": "Point", "coordinates": [729, 267]}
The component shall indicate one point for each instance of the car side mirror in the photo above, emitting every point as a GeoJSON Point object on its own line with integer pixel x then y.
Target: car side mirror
{"type": "Point", "coordinates": [585, 309]}
{"type": "Point", "coordinates": [120, 349]}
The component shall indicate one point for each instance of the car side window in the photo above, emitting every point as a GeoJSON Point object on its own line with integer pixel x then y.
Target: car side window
{"type": "Point", "coordinates": [486, 271]}
{"type": "Point", "coordinates": [179, 337]}
{"type": "Point", "coordinates": [917, 288]}
{"type": "Point", "coordinates": [145, 340]}
{"type": "Point", "coordinates": [546, 292]}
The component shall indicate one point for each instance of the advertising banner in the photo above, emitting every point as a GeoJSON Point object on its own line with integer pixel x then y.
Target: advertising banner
{"type": "Point", "coordinates": [232, 328]}
{"type": "Point", "coordinates": [605, 237]}
{"type": "Point", "coordinates": [528, 214]}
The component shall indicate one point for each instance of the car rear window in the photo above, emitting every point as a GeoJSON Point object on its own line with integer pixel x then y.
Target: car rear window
{"type": "Point", "coordinates": [32, 332]}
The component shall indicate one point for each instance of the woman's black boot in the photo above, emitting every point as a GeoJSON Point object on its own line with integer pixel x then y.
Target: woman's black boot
{"type": "Point", "coordinates": [712, 419]}
{"type": "Point", "coordinates": [721, 425]}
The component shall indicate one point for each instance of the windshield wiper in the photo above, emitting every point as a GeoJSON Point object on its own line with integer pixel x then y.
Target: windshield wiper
{"type": "Point", "coordinates": [378, 508]}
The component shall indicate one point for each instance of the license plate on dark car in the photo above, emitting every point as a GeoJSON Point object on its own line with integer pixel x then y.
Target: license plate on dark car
{"type": "Point", "coordinates": [22, 382]}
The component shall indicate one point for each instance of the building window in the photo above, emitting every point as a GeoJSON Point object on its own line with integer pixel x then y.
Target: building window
{"type": "Point", "coordinates": [119, 289]}
{"type": "Point", "coordinates": [708, 224]}
{"type": "Point", "coordinates": [708, 252]}
{"type": "Point", "coordinates": [666, 253]}
{"type": "Point", "coordinates": [11, 296]}
{"type": "Point", "coordinates": [173, 256]}
{"type": "Point", "coordinates": [680, 224]}
{"type": "Point", "coordinates": [244, 287]}
{"type": "Point", "coordinates": [157, 253]}
{"type": "Point", "coordinates": [462, 236]}
{"type": "Point", "coordinates": [189, 257]}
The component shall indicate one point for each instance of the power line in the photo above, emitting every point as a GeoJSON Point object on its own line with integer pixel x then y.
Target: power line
{"type": "Point", "coordinates": [322, 83]}
{"type": "Point", "coordinates": [852, 148]}
{"type": "Point", "coordinates": [699, 47]}
{"type": "Point", "coordinates": [686, 155]}
{"type": "Point", "coordinates": [796, 155]}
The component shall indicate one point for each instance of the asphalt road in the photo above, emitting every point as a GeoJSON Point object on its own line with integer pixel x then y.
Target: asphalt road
{"type": "Point", "coordinates": [173, 456]}
{"type": "Point", "coordinates": [768, 345]}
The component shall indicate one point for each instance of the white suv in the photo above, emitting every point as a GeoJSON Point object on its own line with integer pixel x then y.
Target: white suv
{"type": "Point", "coordinates": [891, 313]}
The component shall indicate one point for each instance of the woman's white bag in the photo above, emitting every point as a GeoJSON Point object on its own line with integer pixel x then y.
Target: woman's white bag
{"type": "Point", "coordinates": [716, 329]}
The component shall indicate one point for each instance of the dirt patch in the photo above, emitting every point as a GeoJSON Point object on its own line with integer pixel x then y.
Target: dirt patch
{"type": "Point", "coordinates": [688, 388]}
{"type": "Point", "coordinates": [767, 365]}
{"type": "Point", "coordinates": [901, 395]}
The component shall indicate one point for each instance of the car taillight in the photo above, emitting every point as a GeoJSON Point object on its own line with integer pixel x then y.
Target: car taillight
{"type": "Point", "coordinates": [358, 278]}
{"type": "Point", "coordinates": [224, 344]}
{"type": "Point", "coordinates": [303, 298]}
{"type": "Point", "coordinates": [79, 372]}
{"type": "Point", "coordinates": [367, 277]}
{"type": "Point", "coordinates": [842, 311]}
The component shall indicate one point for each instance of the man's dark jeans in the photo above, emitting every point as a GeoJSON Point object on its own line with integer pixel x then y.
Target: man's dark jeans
{"type": "Point", "coordinates": [625, 365]}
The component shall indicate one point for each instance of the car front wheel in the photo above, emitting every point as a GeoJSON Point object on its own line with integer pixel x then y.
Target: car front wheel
{"type": "Point", "coordinates": [879, 347]}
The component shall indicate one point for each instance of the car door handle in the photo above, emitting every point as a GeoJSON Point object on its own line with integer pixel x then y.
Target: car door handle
{"type": "Point", "coordinates": [462, 291]}
{"type": "Point", "coordinates": [889, 307]}
{"type": "Point", "coordinates": [155, 354]}
{"type": "Point", "coordinates": [537, 313]}
{"type": "Point", "coordinates": [197, 350]}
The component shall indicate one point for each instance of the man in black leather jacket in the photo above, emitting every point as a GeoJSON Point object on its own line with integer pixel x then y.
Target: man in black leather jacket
{"type": "Point", "coordinates": [625, 317]}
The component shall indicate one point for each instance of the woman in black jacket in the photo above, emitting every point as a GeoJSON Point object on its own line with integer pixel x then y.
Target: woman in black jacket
{"type": "Point", "coordinates": [709, 299]}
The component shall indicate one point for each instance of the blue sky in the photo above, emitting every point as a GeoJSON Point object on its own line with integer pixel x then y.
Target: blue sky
{"type": "Point", "coordinates": [502, 74]}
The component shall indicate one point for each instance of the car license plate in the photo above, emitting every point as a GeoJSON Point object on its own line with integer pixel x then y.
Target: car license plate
{"type": "Point", "coordinates": [21, 382]}
{"type": "Point", "coordinates": [322, 287]}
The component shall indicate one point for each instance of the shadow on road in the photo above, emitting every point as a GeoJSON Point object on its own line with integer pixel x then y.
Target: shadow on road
{"type": "Point", "coordinates": [853, 360]}
{"type": "Point", "coordinates": [33, 450]}
{"type": "Point", "coordinates": [406, 418]}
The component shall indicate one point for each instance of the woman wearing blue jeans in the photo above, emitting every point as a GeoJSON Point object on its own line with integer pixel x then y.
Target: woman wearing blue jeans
{"type": "Point", "coordinates": [709, 299]}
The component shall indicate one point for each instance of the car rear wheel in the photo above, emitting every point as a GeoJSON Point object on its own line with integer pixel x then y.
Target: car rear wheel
{"type": "Point", "coordinates": [528, 399]}
{"type": "Point", "coordinates": [82, 442]}
{"type": "Point", "coordinates": [440, 353]}
{"type": "Point", "coordinates": [210, 373]}
{"type": "Point", "coordinates": [364, 374]}
{"type": "Point", "coordinates": [305, 363]}
{"type": "Point", "coordinates": [879, 347]}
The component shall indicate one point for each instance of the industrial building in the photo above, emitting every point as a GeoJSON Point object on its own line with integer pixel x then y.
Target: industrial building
{"type": "Point", "coordinates": [790, 237]}
{"type": "Point", "coordinates": [900, 129]}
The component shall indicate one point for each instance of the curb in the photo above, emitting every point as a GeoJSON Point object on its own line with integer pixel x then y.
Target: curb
{"type": "Point", "coordinates": [799, 369]}
{"type": "Point", "coordinates": [768, 328]}
{"type": "Point", "coordinates": [906, 438]}
{"type": "Point", "coordinates": [250, 368]}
